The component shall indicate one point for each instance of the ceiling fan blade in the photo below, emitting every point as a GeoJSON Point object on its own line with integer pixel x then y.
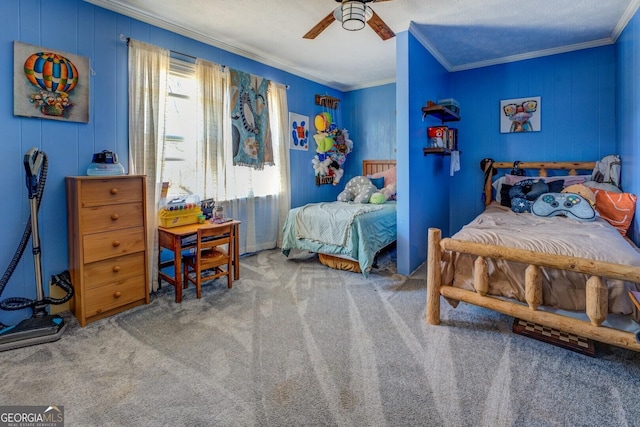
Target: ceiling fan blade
{"type": "Point", "coordinates": [320, 27]}
{"type": "Point", "coordinates": [380, 27]}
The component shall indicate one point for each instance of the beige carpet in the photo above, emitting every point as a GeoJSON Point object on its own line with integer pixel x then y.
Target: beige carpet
{"type": "Point", "coordinates": [296, 343]}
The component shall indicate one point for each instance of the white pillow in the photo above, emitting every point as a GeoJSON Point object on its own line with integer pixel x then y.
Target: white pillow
{"type": "Point", "coordinates": [497, 185]}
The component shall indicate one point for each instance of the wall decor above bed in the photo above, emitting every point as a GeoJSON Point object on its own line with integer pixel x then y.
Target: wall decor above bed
{"type": "Point", "coordinates": [332, 146]}
{"type": "Point", "coordinates": [520, 115]}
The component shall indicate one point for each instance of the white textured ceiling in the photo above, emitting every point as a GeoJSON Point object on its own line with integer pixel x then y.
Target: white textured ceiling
{"type": "Point", "coordinates": [460, 34]}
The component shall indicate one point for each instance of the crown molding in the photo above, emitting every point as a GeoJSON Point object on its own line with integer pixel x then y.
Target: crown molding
{"type": "Point", "coordinates": [624, 19]}
{"type": "Point", "coordinates": [533, 55]}
{"type": "Point", "coordinates": [422, 39]}
{"type": "Point", "coordinates": [151, 19]}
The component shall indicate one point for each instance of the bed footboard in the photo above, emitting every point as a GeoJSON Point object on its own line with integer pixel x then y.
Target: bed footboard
{"type": "Point", "coordinates": [596, 291]}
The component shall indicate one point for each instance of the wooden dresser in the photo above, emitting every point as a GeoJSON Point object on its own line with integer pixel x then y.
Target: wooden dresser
{"type": "Point", "coordinates": [107, 244]}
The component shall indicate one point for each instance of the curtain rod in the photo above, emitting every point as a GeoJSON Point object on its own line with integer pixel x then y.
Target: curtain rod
{"type": "Point", "coordinates": [126, 39]}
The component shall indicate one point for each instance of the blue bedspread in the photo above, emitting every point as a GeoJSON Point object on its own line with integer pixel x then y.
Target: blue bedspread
{"type": "Point", "coordinates": [369, 230]}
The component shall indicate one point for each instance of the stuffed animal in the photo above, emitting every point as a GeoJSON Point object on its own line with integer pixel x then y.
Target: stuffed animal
{"type": "Point", "coordinates": [358, 190]}
{"type": "Point", "coordinates": [337, 173]}
{"type": "Point", "coordinates": [321, 167]}
{"type": "Point", "coordinates": [383, 194]}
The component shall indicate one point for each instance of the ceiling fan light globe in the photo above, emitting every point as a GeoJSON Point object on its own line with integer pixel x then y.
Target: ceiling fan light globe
{"type": "Point", "coordinates": [354, 15]}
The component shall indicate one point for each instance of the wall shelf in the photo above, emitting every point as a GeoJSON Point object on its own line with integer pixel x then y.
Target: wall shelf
{"type": "Point", "coordinates": [441, 151]}
{"type": "Point", "coordinates": [440, 112]}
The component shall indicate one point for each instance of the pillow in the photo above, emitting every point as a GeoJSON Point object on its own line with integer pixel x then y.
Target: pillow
{"type": "Point", "coordinates": [390, 191]}
{"type": "Point", "coordinates": [518, 194]}
{"type": "Point", "coordinates": [537, 188]}
{"type": "Point", "coordinates": [498, 186]}
{"type": "Point", "coordinates": [389, 176]}
{"type": "Point", "coordinates": [602, 186]}
{"type": "Point", "coordinates": [378, 182]}
{"type": "Point", "coordinates": [358, 190]}
{"type": "Point", "coordinates": [568, 179]}
{"type": "Point", "coordinates": [581, 190]}
{"type": "Point", "coordinates": [555, 186]}
{"type": "Point", "coordinates": [505, 199]}
{"type": "Point", "coordinates": [502, 188]}
{"type": "Point", "coordinates": [617, 208]}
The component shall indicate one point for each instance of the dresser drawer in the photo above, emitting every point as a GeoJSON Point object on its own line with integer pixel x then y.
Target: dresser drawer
{"type": "Point", "coordinates": [111, 217]}
{"type": "Point", "coordinates": [97, 192]}
{"type": "Point", "coordinates": [99, 246]}
{"type": "Point", "coordinates": [113, 269]}
{"type": "Point", "coordinates": [113, 295]}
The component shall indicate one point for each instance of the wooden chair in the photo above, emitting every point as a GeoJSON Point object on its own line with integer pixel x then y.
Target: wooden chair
{"type": "Point", "coordinates": [212, 259]}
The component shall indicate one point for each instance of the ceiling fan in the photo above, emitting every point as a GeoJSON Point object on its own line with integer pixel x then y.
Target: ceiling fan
{"type": "Point", "coordinates": [353, 14]}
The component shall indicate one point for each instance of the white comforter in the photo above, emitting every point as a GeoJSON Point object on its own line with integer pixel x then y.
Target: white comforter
{"type": "Point", "coordinates": [597, 240]}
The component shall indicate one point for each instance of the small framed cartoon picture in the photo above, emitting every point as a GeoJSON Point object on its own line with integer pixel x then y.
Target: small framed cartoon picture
{"type": "Point", "coordinates": [299, 132]}
{"type": "Point", "coordinates": [520, 115]}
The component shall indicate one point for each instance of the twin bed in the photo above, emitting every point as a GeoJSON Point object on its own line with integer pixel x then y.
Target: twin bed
{"type": "Point", "coordinates": [346, 236]}
{"type": "Point", "coordinates": [554, 271]}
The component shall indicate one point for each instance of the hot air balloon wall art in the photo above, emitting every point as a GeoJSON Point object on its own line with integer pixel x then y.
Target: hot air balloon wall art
{"type": "Point", "coordinates": [50, 84]}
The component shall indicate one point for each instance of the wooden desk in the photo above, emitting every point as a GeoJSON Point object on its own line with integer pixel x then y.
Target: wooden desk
{"type": "Point", "coordinates": [171, 238]}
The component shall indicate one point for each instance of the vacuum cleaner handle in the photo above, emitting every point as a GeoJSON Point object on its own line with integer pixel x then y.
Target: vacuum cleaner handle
{"type": "Point", "coordinates": [32, 165]}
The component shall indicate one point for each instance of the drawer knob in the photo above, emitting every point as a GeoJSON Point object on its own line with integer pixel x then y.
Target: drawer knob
{"type": "Point", "coordinates": [115, 217]}
{"type": "Point", "coordinates": [116, 268]}
{"type": "Point", "coordinates": [117, 294]}
{"type": "Point", "coordinates": [116, 243]}
{"type": "Point", "coordinates": [114, 191]}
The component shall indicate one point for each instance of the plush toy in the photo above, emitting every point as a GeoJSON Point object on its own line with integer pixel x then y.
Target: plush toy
{"type": "Point", "coordinates": [378, 198]}
{"type": "Point", "coordinates": [383, 194]}
{"type": "Point", "coordinates": [358, 190]}
{"type": "Point", "coordinates": [321, 167]}
{"type": "Point", "coordinates": [338, 172]}
{"type": "Point", "coordinates": [324, 142]}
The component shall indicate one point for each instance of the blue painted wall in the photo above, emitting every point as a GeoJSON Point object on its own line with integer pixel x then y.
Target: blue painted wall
{"type": "Point", "coordinates": [578, 117]}
{"type": "Point", "coordinates": [423, 186]}
{"type": "Point", "coordinates": [371, 115]}
{"type": "Point", "coordinates": [628, 111]}
{"type": "Point", "coordinates": [80, 28]}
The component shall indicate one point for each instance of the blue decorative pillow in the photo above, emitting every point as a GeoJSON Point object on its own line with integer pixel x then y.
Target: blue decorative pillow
{"type": "Point", "coordinates": [521, 204]}
{"type": "Point", "coordinates": [537, 189]}
{"type": "Point", "coordinates": [378, 182]}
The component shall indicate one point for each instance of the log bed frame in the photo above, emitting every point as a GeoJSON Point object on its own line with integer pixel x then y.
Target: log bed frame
{"type": "Point", "coordinates": [596, 291]}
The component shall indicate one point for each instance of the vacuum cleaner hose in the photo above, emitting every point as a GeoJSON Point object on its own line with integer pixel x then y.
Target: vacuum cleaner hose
{"type": "Point", "coordinates": [62, 280]}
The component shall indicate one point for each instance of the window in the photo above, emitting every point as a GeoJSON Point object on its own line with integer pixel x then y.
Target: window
{"type": "Point", "coordinates": [182, 151]}
{"type": "Point", "coordinates": [180, 142]}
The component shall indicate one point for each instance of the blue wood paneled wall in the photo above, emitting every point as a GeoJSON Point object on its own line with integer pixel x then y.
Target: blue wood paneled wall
{"type": "Point", "coordinates": [80, 28]}
{"type": "Point", "coordinates": [578, 117]}
{"type": "Point", "coordinates": [628, 111]}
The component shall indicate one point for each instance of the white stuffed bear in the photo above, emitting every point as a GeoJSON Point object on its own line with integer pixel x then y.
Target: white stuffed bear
{"type": "Point", "coordinates": [321, 167]}
{"type": "Point", "coordinates": [358, 190]}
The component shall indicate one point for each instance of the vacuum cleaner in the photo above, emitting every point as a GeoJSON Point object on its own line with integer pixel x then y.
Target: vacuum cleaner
{"type": "Point", "coordinates": [41, 327]}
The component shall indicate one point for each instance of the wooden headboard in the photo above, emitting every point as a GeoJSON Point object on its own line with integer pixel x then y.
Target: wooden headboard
{"type": "Point", "coordinates": [572, 167]}
{"type": "Point", "coordinates": [369, 167]}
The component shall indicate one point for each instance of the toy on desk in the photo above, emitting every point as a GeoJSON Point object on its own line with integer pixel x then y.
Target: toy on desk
{"type": "Point", "coordinates": [218, 215]}
{"type": "Point", "coordinates": [178, 212]}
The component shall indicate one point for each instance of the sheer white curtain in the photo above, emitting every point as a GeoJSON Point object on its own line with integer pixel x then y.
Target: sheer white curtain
{"type": "Point", "coordinates": [213, 108]}
{"type": "Point", "coordinates": [148, 71]}
{"type": "Point", "coordinates": [279, 116]}
{"type": "Point", "coordinates": [262, 215]}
